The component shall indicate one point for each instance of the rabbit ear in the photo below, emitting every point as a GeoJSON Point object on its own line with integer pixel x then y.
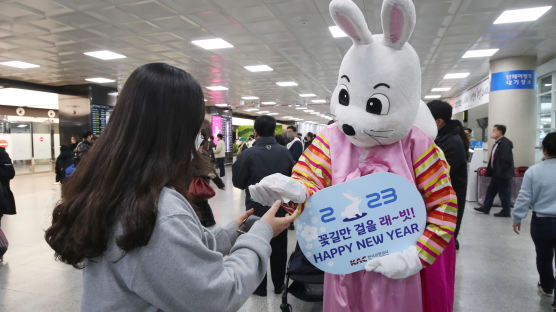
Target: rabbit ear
{"type": "Point", "coordinates": [350, 19]}
{"type": "Point", "coordinates": [398, 21]}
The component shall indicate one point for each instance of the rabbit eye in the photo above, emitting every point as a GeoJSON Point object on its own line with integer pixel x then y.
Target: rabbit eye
{"type": "Point", "coordinates": [378, 104]}
{"type": "Point", "coordinates": [343, 96]}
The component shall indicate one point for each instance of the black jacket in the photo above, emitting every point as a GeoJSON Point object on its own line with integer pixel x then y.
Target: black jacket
{"type": "Point", "coordinates": [264, 158]}
{"type": "Point", "coordinates": [64, 160]}
{"type": "Point", "coordinates": [296, 149]}
{"type": "Point", "coordinates": [7, 172]}
{"type": "Point", "coordinates": [450, 142]}
{"type": "Point", "coordinates": [503, 165]}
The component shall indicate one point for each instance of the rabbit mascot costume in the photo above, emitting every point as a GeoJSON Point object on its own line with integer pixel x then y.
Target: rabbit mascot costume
{"type": "Point", "coordinates": [375, 105]}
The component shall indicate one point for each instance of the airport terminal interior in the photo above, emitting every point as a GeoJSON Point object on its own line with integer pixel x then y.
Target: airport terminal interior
{"type": "Point", "coordinates": [491, 63]}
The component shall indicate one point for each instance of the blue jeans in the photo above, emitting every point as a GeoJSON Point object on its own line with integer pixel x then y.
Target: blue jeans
{"type": "Point", "coordinates": [543, 232]}
{"type": "Point", "coordinates": [220, 163]}
{"type": "Point", "coordinates": [502, 187]}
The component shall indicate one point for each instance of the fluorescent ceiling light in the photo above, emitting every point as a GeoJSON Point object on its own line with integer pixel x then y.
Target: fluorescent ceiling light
{"type": "Point", "coordinates": [480, 53]}
{"type": "Point", "coordinates": [99, 80]}
{"type": "Point", "coordinates": [212, 44]}
{"type": "Point", "coordinates": [310, 111]}
{"type": "Point", "coordinates": [268, 103]}
{"type": "Point", "coordinates": [258, 68]}
{"type": "Point", "coordinates": [441, 89]}
{"type": "Point", "coordinates": [301, 108]}
{"type": "Point", "coordinates": [272, 114]}
{"type": "Point", "coordinates": [113, 93]}
{"type": "Point", "coordinates": [547, 84]}
{"type": "Point", "coordinates": [337, 32]}
{"type": "Point", "coordinates": [287, 117]}
{"type": "Point", "coordinates": [287, 83]}
{"type": "Point", "coordinates": [307, 95]}
{"type": "Point", "coordinates": [432, 96]}
{"type": "Point", "coordinates": [249, 97]}
{"type": "Point", "coordinates": [221, 105]}
{"type": "Point", "coordinates": [19, 64]}
{"type": "Point", "coordinates": [217, 88]}
{"type": "Point", "coordinates": [262, 112]}
{"type": "Point", "coordinates": [521, 15]}
{"type": "Point", "coordinates": [105, 55]}
{"type": "Point", "coordinates": [251, 109]}
{"type": "Point", "coordinates": [318, 101]}
{"type": "Point", "coordinates": [22, 126]}
{"type": "Point", "coordinates": [456, 75]}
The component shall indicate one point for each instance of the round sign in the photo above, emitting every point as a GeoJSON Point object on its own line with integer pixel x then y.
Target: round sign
{"type": "Point", "coordinates": [20, 111]}
{"type": "Point", "coordinates": [51, 114]}
{"type": "Point", "coordinates": [346, 225]}
{"type": "Point", "coordinates": [3, 143]}
{"type": "Point", "coordinates": [41, 139]}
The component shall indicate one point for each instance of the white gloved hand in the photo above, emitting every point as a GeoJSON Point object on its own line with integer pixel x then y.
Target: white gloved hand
{"type": "Point", "coordinates": [278, 187]}
{"type": "Point", "coordinates": [397, 265]}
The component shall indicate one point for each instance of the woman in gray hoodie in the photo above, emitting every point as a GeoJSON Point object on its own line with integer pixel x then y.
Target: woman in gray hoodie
{"type": "Point", "coordinates": [124, 216]}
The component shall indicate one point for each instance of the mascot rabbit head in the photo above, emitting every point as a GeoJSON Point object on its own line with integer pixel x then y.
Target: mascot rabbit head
{"type": "Point", "coordinates": [378, 94]}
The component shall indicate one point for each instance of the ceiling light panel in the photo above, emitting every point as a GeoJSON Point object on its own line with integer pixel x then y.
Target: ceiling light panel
{"type": "Point", "coordinates": [287, 83]}
{"type": "Point", "coordinates": [105, 55]}
{"type": "Point", "coordinates": [221, 105]}
{"type": "Point", "coordinates": [212, 44]}
{"type": "Point", "coordinates": [217, 88]}
{"type": "Point", "coordinates": [307, 95]}
{"type": "Point", "coordinates": [456, 75]}
{"type": "Point", "coordinates": [249, 97]}
{"type": "Point", "coordinates": [272, 114]}
{"type": "Point", "coordinates": [251, 109]}
{"type": "Point", "coordinates": [19, 64]}
{"type": "Point", "coordinates": [99, 80]}
{"type": "Point", "coordinates": [440, 89]}
{"type": "Point", "coordinates": [521, 15]}
{"type": "Point", "coordinates": [480, 53]}
{"type": "Point", "coordinates": [432, 96]}
{"type": "Point", "coordinates": [337, 32]}
{"type": "Point", "coordinates": [268, 103]}
{"type": "Point", "coordinates": [318, 101]}
{"type": "Point", "coordinates": [258, 68]}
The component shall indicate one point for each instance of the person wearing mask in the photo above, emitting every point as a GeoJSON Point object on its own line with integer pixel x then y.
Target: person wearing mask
{"type": "Point", "coordinates": [501, 169]}
{"type": "Point", "coordinates": [266, 157]}
{"type": "Point", "coordinates": [453, 142]}
{"type": "Point", "coordinates": [7, 201]}
{"type": "Point", "coordinates": [220, 154]}
{"type": "Point", "coordinates": [83, 147]}
{"type": "Point", "coordinates": [538, 191]}
{"type": "Point", "coordinates": [63, 161]}
{"type": "Point", "coordinates": [308, 140]}
{"type": "Point", "coordinates": [251, 141]}
{"type": "Point", "coordinates": [294, 146]}
{"type": "Point", "coordinates": [124, 217]}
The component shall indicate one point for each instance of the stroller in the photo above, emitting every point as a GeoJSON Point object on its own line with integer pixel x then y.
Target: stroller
{"type": "Point", "coordinates": [308, 281]}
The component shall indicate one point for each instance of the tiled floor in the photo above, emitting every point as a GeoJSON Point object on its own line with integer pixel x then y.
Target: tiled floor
{"type": "Point", "coordinates": [495, 268]}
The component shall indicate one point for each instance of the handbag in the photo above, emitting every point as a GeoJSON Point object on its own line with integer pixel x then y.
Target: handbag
{"type": "Point", "coordinates": [199, 189]}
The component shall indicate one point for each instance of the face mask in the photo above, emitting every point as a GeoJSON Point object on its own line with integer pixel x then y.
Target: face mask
{"type": "Point", "coordinates": [493, 135]}
{"type": "Point", "coordinates": [289, 135]}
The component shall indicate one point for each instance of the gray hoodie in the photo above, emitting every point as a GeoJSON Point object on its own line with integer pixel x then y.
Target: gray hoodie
{"type": "Point", "coordinates": [182, 268]}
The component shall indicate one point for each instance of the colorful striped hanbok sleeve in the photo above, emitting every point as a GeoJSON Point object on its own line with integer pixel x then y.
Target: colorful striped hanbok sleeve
{"type": "Point", "coordinates": [313, 170]}
{"type": "Point", "coordinates": [433, 181]}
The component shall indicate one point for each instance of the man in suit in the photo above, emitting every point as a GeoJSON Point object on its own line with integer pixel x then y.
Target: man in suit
{"type": "Point", "coordinates": [501, 169]}
{"type": "Point", "coordinates": [266, 157]}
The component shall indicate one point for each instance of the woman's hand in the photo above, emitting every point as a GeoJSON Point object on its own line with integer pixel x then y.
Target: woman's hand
{"type": "Point", "coordinates": [517, 227]}
{"type": "Point", "coordinates": [278, 224]}
{"type": "Point", "coordinates": [244, 217]}
{"type": "Point", "coordinates": [212, 175]}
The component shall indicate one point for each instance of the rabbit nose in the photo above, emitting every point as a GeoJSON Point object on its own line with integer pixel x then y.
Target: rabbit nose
{"type": "Point", "coordinates": [348, 130]}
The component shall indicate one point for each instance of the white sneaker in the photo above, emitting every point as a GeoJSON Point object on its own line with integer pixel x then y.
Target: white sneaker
{"type": "Point", "coordinates": [542, 292]}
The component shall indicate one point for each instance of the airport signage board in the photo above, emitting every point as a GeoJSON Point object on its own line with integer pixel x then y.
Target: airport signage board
{"type": "Point", "coordinates": [475, 96]}
{"type": "Point", "coordinates": [345, 225]}
{"type": "Point", "coordinates": [513, 79]}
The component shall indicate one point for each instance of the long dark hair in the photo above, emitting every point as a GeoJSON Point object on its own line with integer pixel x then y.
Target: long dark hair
{"type": "Point", "coordinates": [147, 145]}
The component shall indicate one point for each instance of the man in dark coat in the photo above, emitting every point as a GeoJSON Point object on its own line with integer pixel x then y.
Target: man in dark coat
{"type": "Point", "coordinates": [264, 158]}
{"type": "Point", "coordinates": [7, 202]}
{"type": "Point", "coordinates": [501, 170]}
{"type": "Point", "coordinates": [452, 141]}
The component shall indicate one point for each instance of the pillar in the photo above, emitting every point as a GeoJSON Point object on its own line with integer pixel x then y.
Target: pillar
{"type": "Point", "coordinates": [513, 104]}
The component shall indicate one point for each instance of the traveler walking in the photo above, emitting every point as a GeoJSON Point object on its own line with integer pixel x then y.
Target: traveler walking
{"type": "Point", "coordinates": [83, 147]}
{"type": "Point", "coordinates": [266, 157]}
{"type": "Point", "coordinates": [7, 202]}
{"type": "Point", "coordinates": [220, 154]}
{"type": "Point", "coordinates": [538, 191]}
{"type": "Point", "coordinates": [501, 169]}
{"type": "Point", "coordinates": [294, 146]}
{"type": "Point", "coordinates": [63, 161]}
{"type": "Point", "coordinates": [125, 219]}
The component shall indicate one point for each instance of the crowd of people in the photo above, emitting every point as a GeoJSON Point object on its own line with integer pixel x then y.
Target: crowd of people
{"type": "Point", "coordinates": [136, 213]}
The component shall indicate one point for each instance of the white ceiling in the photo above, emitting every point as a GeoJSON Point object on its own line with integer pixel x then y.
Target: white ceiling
{"type": "Point", "coordinates": [289, 35]}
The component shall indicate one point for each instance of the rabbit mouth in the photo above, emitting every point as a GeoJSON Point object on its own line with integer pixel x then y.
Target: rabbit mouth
{"type": "Point", "coordinates": [380, 133]}
{"type": "Point", "coordinates": [377, 137]}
